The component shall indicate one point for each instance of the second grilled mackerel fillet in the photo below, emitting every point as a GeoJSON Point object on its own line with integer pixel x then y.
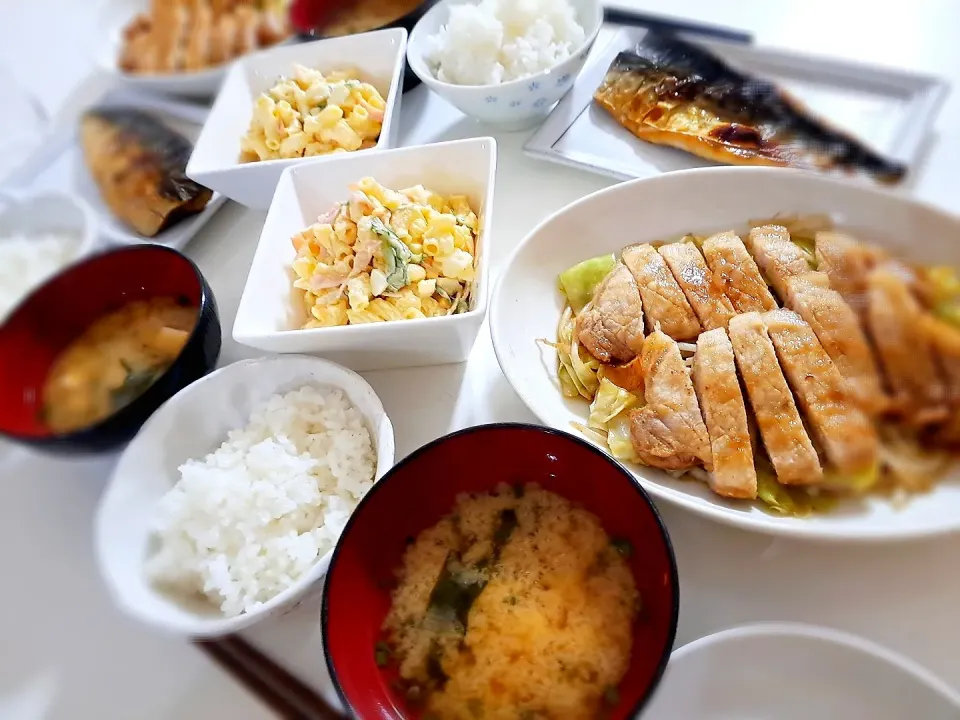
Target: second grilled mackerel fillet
{"type": "Point", "coordinates": [847, 435]}
{"type": "Point", "coordinates": [695, 279]}
{"type": "Point", "coordinates": [778, 258]}
{"type": "Point", "coordinates": [737, 273]}
{"type": "Point", "coordinates": [668, 432]}
{"type": "Point", "coordinates": [610, 327]}
{"type": "Point", "coordinates": [663, 300]}
{"type": "Point", "coordinates": [837, 327]}
{"type": "Point", "coordinates": [894, 322]}
{"type": "Point", "coordinates": [781, 429]}
{"type": "Point", "coordinates": [722, 405]}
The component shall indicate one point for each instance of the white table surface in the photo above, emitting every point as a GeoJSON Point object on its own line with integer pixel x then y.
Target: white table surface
{"type": "Point", "coordinates": [65, 652]}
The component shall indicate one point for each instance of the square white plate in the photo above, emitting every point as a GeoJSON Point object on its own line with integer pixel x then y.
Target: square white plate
{"type": "Point", "coordinates": [270, 309]}
{"type": "Point", "coordinates": [58, 165]}
{"type": "Point", "coordinates": [379, 59]}
{"type": "Point", "coordinates": [889, 110]}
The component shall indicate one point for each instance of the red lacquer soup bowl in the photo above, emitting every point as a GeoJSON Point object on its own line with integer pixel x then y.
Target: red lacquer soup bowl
{"type": "Point", "coordinates": [63, 307]}
{"type": "Point", "coordinates": [422, 488]}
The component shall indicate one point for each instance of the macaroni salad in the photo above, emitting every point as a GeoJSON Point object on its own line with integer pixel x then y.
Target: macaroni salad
{"type": "Point", "coordinates": [387, 255]}
{"type": "Point", "coordinates": [313, 114]}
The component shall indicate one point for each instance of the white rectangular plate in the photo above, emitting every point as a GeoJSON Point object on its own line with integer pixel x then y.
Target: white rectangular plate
{"type": "Point", "coordinates": [889, 110]}
{"type": "Point", "coordinates": [58, 165]}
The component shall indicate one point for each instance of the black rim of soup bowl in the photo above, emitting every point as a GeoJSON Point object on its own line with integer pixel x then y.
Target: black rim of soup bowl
{"type": "Point", "coordinates": [198, 358]}
{"type": "Point", "coordinates": [422, 450]}
{"type": "Point", "coordinates": [407, 22]}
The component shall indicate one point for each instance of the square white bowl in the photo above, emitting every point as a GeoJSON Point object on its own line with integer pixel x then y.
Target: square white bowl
{"type": "Point", "coordinates": [377, 56]}
{"type": "Point", "coordinates": [270, 308]}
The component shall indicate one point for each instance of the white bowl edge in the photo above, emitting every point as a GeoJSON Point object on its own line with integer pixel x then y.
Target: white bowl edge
{"type": "Point", "coordinates": [471, 99]}
{"type": "Point", "coordinates": [88, 231]}
{"type": "Point", "coordinates": [180, 621]}
{"type": "Point", "coordinates": [827, 635]}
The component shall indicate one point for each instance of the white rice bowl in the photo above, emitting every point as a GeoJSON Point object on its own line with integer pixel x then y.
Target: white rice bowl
{"type": "Point", "coordinates": [244, 523]}
{"type": "Point", "coordinates": [498, 41]}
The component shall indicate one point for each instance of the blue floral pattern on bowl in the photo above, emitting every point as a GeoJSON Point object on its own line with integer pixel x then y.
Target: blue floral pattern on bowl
{"type": "Point", "coordinates": [491, 98]}
{"type": "Point", "coordinates": [540, 102]}
{"type": "Point", "coordinates": [516, 103]}
{"type": "Point", "coordinates": [563, 80]}
{"type": "Point", "coordinates": [533, 87]}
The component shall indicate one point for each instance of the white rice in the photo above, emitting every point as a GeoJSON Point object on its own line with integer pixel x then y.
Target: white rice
{"type": "Point", "coordinates": [245, 522]}
{"type": "Point", "coordinates": [27, 261]}
{"type": "Point", "coordinates": [502, 40]}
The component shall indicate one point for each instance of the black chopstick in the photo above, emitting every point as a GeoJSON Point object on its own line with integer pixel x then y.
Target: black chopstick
{"type": "Point", "coordinates": [662, 23]}
{"type": "Point", "coordinates": [284, 694]}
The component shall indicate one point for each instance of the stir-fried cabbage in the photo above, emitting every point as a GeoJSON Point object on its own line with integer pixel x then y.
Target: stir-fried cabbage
{"type": "Point", "coordinates": [809, 248]}
{"type": "Point", "coordinates": [856, 483]}
{"type": "Point", "coordinates": [942, 288]}
{"type": "Point", "coordinates": [791, 501]}
{"type": "Point", "coordinates": [577, 374]}
{"type": "Point", "coordinates": [579, 282]}
{"type": "Point", "coordinates": [586, 367]}
{"type": "Point", "coordinates": [618, 439]}
{"type": "Point", "coordinates": [609, 402]}
{"type": "Point", "coordinates": [910, 465]}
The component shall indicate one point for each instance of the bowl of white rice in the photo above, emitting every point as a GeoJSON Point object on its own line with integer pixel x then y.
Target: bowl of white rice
{"type": "Point", "coordinates": [504, 62]}
{"type": "Point", "coordinates": [226, 507]}
{"type": "Point", "coordinates": [40, 234]}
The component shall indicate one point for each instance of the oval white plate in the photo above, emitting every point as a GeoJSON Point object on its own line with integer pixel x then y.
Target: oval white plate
{"type": "Point", "coordinates": [527, 305]}
{"type": "Point", "coordinates": [114, 17]}
{"type": "Point", "coordinates": [786, 671]}
{"type": "Point", "coordinates": [191, 424]}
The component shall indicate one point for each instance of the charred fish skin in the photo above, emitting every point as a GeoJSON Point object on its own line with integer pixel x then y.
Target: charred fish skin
{"type": "Point", "coordinates": [139, 165]}
{"type": "Point", "coordinates": [756, 122]}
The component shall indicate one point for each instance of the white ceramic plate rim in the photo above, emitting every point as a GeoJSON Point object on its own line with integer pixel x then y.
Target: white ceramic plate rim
{"type": "Point", "coordinates": [757, 523]}
{"type": "Point", "coordinates": [827, 635]}
{"type": "Point", "coordinates": [203, 627]}
{"type": "Point", "coordinates": [108, 59]}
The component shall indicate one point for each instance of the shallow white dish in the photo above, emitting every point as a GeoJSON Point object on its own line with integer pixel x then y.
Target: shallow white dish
{"type": "Point", "coordinates": [32, 215]}
{"type": "Point", "coordinates": [512, 105]}
{"type": "Point", "coordinates": [377, 56]}
{"type": "Point", "coordinates": [527, 305]}
{"type": "Point", "coordinates": [57, 165]}
{"type": "Point", "coordinates": [114, 17]}
{"type": "Point", "coordinates": [185, 428]}
{"type": "Point", "coordinates": [269, 307]}
{"type": "Point", "coordinates": [787, 671]}
{"type": "Point", "coordinates": [35, 213]}
{"type": "Point", "coordinates": [890, 110]}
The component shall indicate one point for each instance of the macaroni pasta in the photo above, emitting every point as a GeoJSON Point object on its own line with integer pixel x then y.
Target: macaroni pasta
{"type": "Point", "coordinates": [386, 255]}
{"type": "Point", "coordinates": [313, 114]}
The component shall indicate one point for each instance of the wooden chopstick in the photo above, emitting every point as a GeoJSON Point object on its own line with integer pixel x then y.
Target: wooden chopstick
{"type": "Point", "coordinates": [287, 696]}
